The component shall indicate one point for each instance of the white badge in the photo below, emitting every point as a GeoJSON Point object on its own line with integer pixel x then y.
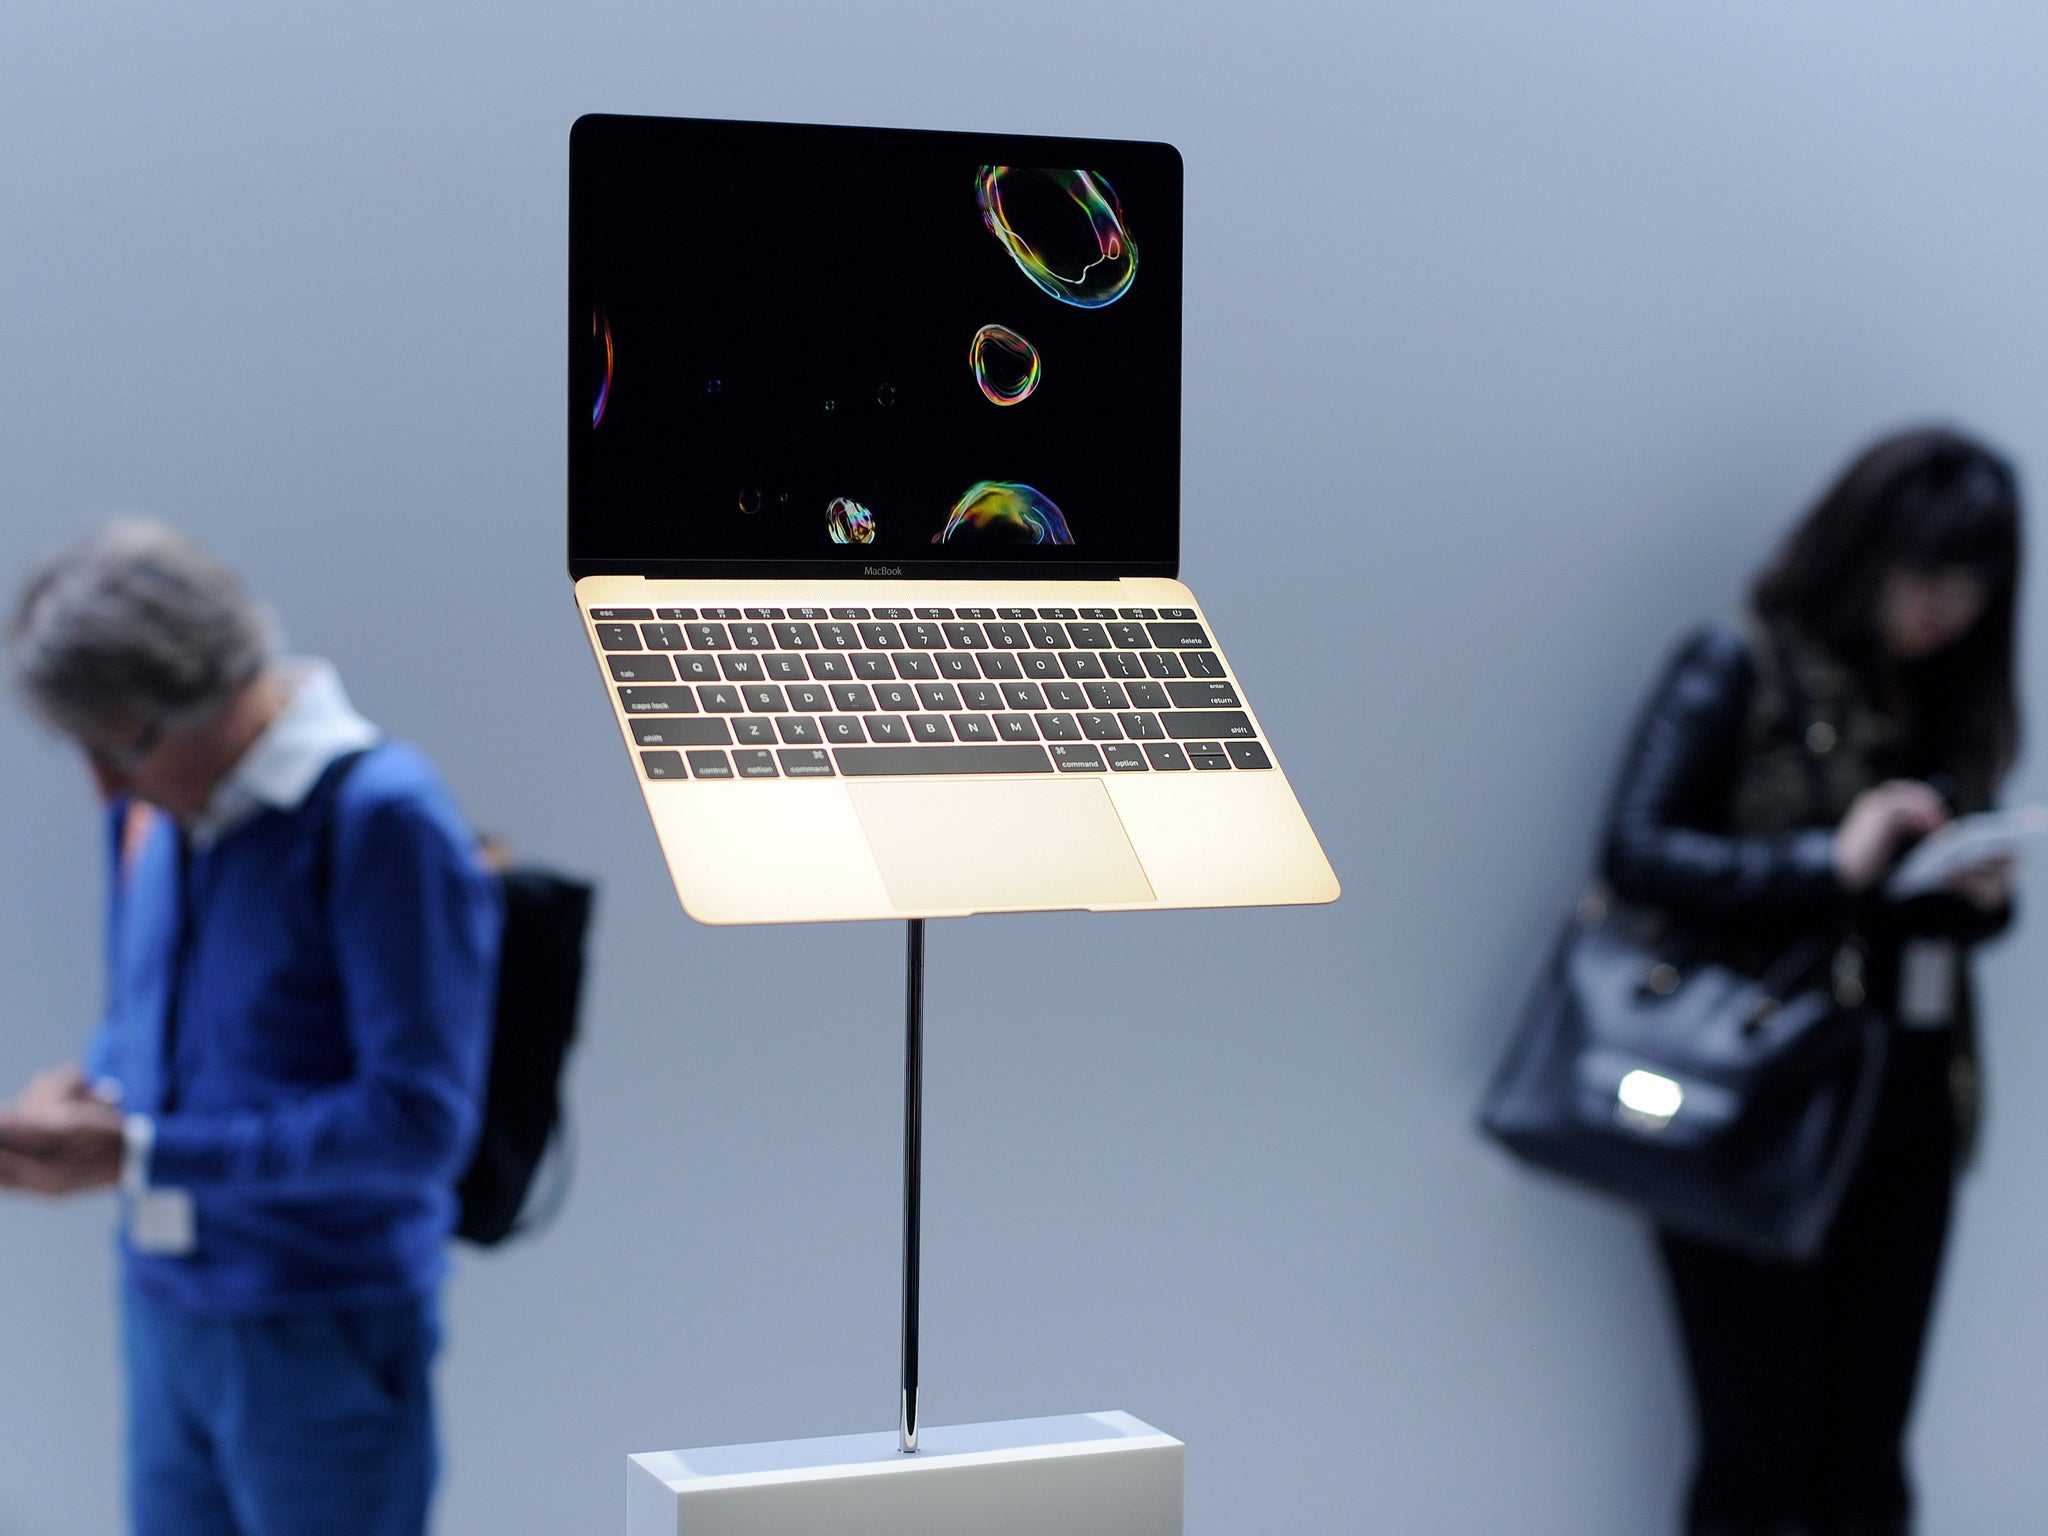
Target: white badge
{"type": "Point", "coordinates": [1927, 983]}
{"type": "Point", "coordinates": [161, 1221]}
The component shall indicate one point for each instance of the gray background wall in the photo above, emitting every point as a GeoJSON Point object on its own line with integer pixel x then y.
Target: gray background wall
{"type": "Point", "coordinates": [1514, 336]}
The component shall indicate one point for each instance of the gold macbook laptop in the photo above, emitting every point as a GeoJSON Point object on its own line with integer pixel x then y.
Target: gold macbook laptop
{"type": "Point", "coordinates": [874, 523]}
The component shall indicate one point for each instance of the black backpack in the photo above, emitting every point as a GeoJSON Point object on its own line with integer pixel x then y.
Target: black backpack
{"type": "Point", "coordinates": [540, 985]}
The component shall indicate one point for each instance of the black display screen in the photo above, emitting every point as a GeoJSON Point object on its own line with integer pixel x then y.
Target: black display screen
{"type": "Point", "coordinates": [807, 350]}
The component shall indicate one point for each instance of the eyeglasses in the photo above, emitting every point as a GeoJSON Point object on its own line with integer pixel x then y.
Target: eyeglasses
{"type": "Point", "coordinates": [131, 757]}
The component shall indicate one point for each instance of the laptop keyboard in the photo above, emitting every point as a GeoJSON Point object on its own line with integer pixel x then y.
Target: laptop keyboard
{"type": "Point", "coordinates": [765, 693]}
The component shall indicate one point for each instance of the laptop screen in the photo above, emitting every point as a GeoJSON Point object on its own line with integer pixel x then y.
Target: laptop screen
{"type": "Point", "coordinates": [866, 352]}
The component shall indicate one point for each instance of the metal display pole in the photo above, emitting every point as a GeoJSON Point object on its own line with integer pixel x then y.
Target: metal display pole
{"type": "Point", "coordinates": [913, 1137]}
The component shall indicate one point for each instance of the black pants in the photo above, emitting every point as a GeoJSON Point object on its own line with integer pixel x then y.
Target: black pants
{"type": "Point", "coordinates": [1803, 1375]}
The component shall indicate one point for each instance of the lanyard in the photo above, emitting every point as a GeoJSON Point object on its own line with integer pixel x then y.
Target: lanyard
{"type": "Point", "coordinates": [181, 943]}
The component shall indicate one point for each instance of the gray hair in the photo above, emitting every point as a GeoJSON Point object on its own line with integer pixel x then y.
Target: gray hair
{"type": "Point", "coordinates": [135, 622]}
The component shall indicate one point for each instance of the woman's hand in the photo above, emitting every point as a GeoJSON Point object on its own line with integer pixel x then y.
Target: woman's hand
{"type": "Point", "coordinates": [1879, 823]}
{"type": "Point", "coordinates": [1986, 886]}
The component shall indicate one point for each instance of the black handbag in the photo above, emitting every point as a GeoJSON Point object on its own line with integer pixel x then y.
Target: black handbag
{"type": "Point", "coordinates": [1731, 1107]}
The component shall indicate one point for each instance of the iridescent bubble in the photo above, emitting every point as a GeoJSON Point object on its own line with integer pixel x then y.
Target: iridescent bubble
{"type": "Point", "coordinates": [1004, 512]}
{"type": "Point", "coordinates": [714, 386]}
{"type": "Point", "coordinates": [849, 522]}
{"type": "Point", "coordinates": [601, 328]}
{"type": "Point", "coordinates": [885, 394]}
{"type": "Point", "coordinates": [750, 501]}
{"type": "Point", "coordinates": [1079, 249]}
{"type": "Point", "coordinates": [1005, 364]}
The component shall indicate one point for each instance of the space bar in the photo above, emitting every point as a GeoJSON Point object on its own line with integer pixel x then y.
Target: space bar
{"type": "Point", "coordinates": [991, 759]}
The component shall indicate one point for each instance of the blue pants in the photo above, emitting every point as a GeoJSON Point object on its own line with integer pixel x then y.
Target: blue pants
{"type": "Point", "coordinates": [314, 1423]}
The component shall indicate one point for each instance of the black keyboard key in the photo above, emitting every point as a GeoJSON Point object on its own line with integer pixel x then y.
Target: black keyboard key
{"type": "Point", "coordinates": [1059, 727]}
{"type": "Point", "coordinates": [1140, 726]}
{"type": "Point", "coordinates": [622, 614]}
{"type": "Point", "coordinates": [1209, 759]}
{"type": "Point", "coordinates": [1088, 637]}
{"type": "Point", "coordinates": [796, 637]}
{"type": "Point", "coordinates": [1041, 664]}
{"type": "Point", "coordinates": [707, 637]}
{"type": "Point", "coordinates": [754, 731]}
{"type": "Point", "coordinates": [764, 613]}
{"type": "Point", "coordinates": [720, 699]}
{"type": "Point", "coordinates": [1204, 664]}
{"type": "Point", "coordinates": [739, 667]}
{"type": "Point", "coordinates": [975, 613]}
{"type": "Point", "coordinates": [1138, 613]}
{"type": "Point", "coordinates": [1203, 695]}
{"type": "Point", "coordinates": [1248, 754]}
{"type": "Point", "coordinates": [861, 761]}
{"type": "Point", "coordinates": [1149, 696]}
{"type": "Point", "coordinates": [1124, 756]}
{"type": "Point", "coordinates": [958, 665]}
{"type": "Point", "coordinates": [981, 696]}
{"type": "Point", "coordinates": [1167, 756]}
{"type": "Point", "coordinates": [924, 637]}
{"type": "Point", "coordinates": [872, 667]}
{"type": "Point", "coordinates": [934, 613]}
{"type": "Point", "coordinates": [1100, 727]}
{"type": "Point", "coordinates": [1191, 724]}
{"type": "Point", "coordinates": [1008, 637]}
{"type": "Point", "coordinates": [1078, 759]}
{"type": "Point", "coordinates": [881, 637]}
{"type": "Point", "coordinates": [640, 669]}
{"type": "Point", "coordinates": [1163, 664]}
{"type": "Point", "coordinates": [785, 668]}
{"type": "Point", "coordinates": [1024, 695]}
{"type": "Point", "coordinates": [1016, 613]}
{"type": "Point", "coordinates": [1057, 613]}
{"type": "Point", "coordinates": [693, 667]}
{"type": "Point", "coordinates": [1047, 637]}
{"type": "Point", "coordinates": [675, 613]}
{"type": "Point", "coordinates": [1122, 664]}
{"type": "Point", "coordinates": [892, 613]}
{"type": "Point", "coordinates": [852, 696]}
{"type": "Point", "coordinates": [1065, 696]}
{"type": "Point", "coordinates": [828, 668]}
{"type": "Point", "coordinates": [938, 695]}
{"type": "Point", "coordinates": [663, 637]}
{"type": "Point", "coordinates": [930, 728]}
{"type": "Point", "coordinates": [709, 765]}
{"type": "Point", "coordinates": [1081, 663]}
{"type": "Point", "coordinates": [809, 698]}
{"type": "Point", "coordinates": [752, 637]}
{"type": "Point", "coordinates": [966, 637]}
{"type": "Point", "coordinates": [673, 731]}
{"type": "Point", "coordinates": [1107, 696]}
{"type": "Point", "coordinates": [916, 666]}
{"type": "Point", "coordinates": [839, 637]}
{"type": "Point", "coordinates": [849, 613]}
{"type": "Point", "coordinates": [896, 696]}
{"type": "Point", "coordinates": [1177, 637]}
{"type": "Point", "coordinates": [755, 763]}
{"type": "Point", "coordinates": [887, 728]}
{"type": "Point", "coordinates": [658, 701]}
{"type": "Point", "coordinates": [662, 765]}
{"type": "Point", "coordinates": [618, 637]}
{"type": "Point", "coordinates": [1098, 613]}
{"type": "Point", "coordinates": [764, 698]}
{"type": "Point", "coordinates": [800, 730]}
{"type": "Point", "coordinates": [841, 729]}
{"type": "Point", "coordinates": [721, 613]}
{"type": "Point", "coordinates": [1176, 613]}
{"type": "Point", "coordinates": [1129, 637]}
{"type": "Point", "coordinates": [813, 764]}
{"type": "Point", "coordinates": [999, 665]}
{"type": "Point", "coordinates": [1016, 728]}
{"type": "Point", "coordinates": [807, 613]}
{"type": "Point", "coordinates": [974, 728]}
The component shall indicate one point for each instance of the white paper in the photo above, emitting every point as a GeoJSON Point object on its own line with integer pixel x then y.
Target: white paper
{"type": "Point", "coordinates": [1966, 844]}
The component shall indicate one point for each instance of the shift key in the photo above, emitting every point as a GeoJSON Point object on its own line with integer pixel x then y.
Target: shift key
{"type": "Point", "coordinates": [1206, 724]}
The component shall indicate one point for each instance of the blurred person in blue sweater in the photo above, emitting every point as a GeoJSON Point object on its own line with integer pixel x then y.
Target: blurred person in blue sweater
{"type": "Point", "coordinates": [284, 1088]}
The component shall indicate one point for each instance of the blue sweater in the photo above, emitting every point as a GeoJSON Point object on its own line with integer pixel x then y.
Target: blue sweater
{"type": "Point", "coordinates": [331, 1038]}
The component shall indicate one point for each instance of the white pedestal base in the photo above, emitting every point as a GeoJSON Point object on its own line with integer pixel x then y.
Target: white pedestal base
{"type": "Point", "coordinates": [1088, 1474]}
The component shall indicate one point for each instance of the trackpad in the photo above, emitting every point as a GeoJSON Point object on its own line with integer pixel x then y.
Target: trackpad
{"type": "Point", "coordinates": [1011, 843]}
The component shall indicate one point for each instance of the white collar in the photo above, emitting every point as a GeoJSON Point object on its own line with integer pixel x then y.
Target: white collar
{"type": "Point", "coordinates": [316, 725]}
